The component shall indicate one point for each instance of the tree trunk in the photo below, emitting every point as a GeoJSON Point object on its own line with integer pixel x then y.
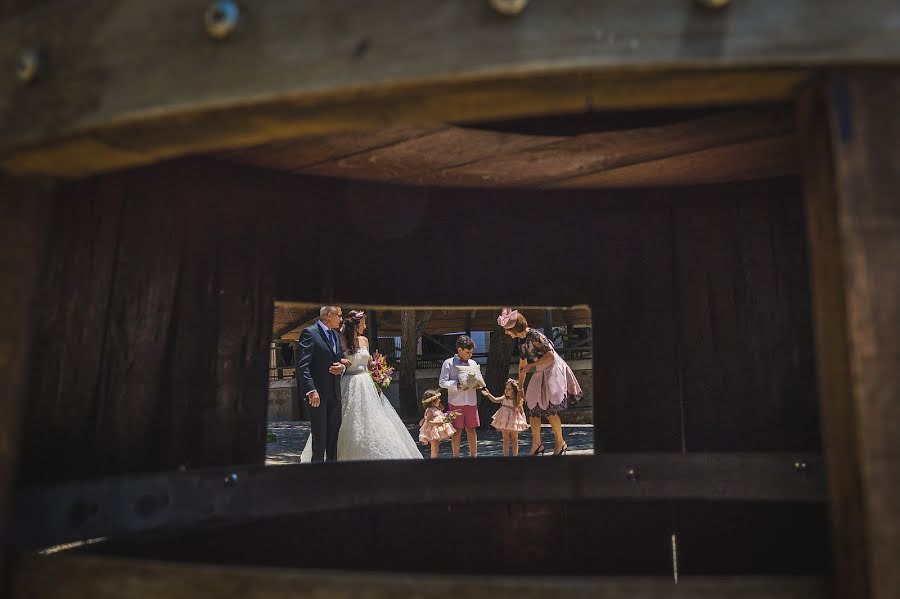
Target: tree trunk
{"type": "Point", "coordinates": [496, 372]}
{"type": "Point", "coordinates": [412, 325]}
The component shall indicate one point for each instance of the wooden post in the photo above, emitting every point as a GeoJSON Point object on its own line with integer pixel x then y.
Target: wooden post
{"type": "Point", "coordinates": [412, 325]}
{"type": "Point", "coordinates": [372, 323]}
{"type": "Point", "coordinates": [24, 210]}
{"type": "Point", "coordinates": [496, 371]}
{"type": "Point", "coordinates": [468, 321]}
{"type": "Point", "coordinates": [852, 176]}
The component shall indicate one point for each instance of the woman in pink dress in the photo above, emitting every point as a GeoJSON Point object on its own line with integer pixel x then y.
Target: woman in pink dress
{"type": "Point", "coordinates": [552, 388]}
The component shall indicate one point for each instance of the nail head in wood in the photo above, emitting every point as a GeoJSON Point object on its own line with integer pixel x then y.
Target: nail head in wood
{"type": "Point", "coordinates": [28, 65]}
{"type": "Point", "coordinates": [221, 19]}
{"type": "Point", "coordinates": [509, 8]}
{"type": "Point", "coordinates": [716, 4]}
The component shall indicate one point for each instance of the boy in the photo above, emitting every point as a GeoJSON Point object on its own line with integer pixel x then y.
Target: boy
{"type": "Point", "coordinates": [463, 401]}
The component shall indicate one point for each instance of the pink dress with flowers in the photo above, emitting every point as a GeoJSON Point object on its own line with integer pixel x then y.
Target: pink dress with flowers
{"type": "Point", "coordinates": [433, 428]}
{"type": "Point", "coordinates": [553, 387]}
{"type": "Point", "coordinates": [509, 418]}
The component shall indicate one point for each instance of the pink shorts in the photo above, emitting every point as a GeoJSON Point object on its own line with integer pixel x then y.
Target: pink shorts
{"type": "Point", "coordinates": [468, 418]}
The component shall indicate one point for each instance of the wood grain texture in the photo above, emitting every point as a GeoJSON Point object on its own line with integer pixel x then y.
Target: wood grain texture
{"type": "Point", "coordinates": [323, 67]}
{"type": "Point", "coordinates": [726, 146]}
{"type": "Point", "coordinates": [152, 325]}
{"type": "Point", "coordinates": [746, 348]}
{"type": "Point", "coordinates": [865, 127]}
{"type": "Point", "coordinates": [79, 576]}
{"type": "Point", "coordinates": [24, 216]}
{"type": "Point", "coordinates": [838, 410]}
{"type": "Point", "coordinates": [634, 329]}
{"type": "Point", "coordinates": [178, 502]}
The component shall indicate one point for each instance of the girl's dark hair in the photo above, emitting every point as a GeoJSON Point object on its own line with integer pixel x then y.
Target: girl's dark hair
{"type": "Point", "coordinates": [517, 396]}
{"type": "Point", "coordinates": [349, 328]}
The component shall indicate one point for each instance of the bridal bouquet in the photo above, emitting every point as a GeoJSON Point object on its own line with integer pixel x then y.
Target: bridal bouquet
{"type": "Point", "coordinates": [380, 372]}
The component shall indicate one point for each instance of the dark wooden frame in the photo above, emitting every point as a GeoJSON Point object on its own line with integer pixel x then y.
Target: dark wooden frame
{"type": "Point", "coordinates": [58, 514]}
{"type": "Point", "coordinates": [853, 223]}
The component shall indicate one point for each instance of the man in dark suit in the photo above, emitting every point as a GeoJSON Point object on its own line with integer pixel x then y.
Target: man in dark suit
{"type": "Point", "coordinates": [319, 371]}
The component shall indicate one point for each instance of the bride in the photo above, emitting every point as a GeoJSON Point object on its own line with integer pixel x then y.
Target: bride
{"type": "Point", "coordinates": [370, 427]}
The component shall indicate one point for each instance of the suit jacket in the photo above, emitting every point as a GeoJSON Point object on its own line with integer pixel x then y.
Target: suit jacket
{"type": "Point", "coordinates": [314, 359]}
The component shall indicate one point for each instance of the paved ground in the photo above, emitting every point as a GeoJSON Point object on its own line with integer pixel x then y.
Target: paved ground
{"type": "Point", "coordinates": [292, 437]}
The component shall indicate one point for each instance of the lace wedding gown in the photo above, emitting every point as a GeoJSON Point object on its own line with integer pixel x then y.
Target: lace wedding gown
{"type": "Point", "coordinates": [370, 427]}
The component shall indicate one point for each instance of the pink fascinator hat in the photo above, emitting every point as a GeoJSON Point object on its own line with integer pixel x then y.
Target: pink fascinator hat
{"type": "Point", "coordinates": [507, 318]}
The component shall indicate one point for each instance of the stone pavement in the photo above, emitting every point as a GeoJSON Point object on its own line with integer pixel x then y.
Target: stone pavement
{"type": "Point", "coordinates": [292, 437]}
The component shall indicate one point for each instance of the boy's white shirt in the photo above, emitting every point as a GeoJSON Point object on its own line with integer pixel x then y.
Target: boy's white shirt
{"type": "Point", "coordinates": [448, 381]}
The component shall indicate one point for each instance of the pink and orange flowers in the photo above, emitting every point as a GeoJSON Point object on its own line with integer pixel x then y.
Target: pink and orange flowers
{"type": "Point", "coordinates": [380, 372]}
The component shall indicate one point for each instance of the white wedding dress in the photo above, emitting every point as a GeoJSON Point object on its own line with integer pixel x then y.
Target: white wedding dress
{"type": "Point", "coordinates": [370, 427]}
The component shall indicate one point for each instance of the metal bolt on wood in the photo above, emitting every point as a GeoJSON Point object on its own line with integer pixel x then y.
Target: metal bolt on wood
{"type": "Point", "coordinates": [221, 19]}
{"type": "Point", "coordinates": [716, 4]}
{"type": "Point", "coordinates": [231, 480]}
{"type": "Point", "coordinates": [800, 466]}
{"type": "Point", "coordinates": [28, 65]}
{"type": "Point", "coordinates": [631, 474]}
{"type": "Point", "coordinates": [509, 8]}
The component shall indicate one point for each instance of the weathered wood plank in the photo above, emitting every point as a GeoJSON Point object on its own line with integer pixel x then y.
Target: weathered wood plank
{"type": "Point", "coordinates": [856, 257]}
{"type": "Point", "coordinates": [48, 515]}
{"type": "Point", "coordinates": [400, 62]}
{"type": "Point", "coordinates": [745, 372]}
{"type": "Point", "coordinates": [155, 321]}
{"type": "Point", "coordinates": [734, 145]}
{"type": "Point", "coordinates": [87, 576]}
{"type": "Point", "coordinates": [838, 412]}
{"type": "Point", "coordinates": [755, 159]}
{"type": "Point", "coordinates": [24, 215]}
{"type": "Point", "coordinates": [295, 155]}
{"type": "Point", "coordinates": [565, 162]}
{"type": "Point", "coordinates": [412, 161]}
{"type": "Point", "coordinates": [70, 324]}
{"type": "Point", "coordinates": [636, 407]}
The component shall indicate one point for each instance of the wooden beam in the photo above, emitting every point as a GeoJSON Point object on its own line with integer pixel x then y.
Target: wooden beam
{"type": "Point", "coordinates": [372, 325]}
{"type": "Point", "coordinates": [101, 577]}
{"type": "Point", "coordinates": [179, 500]}
{"type": "Point", "coordinates": [303, 318]}
{"type": "Point", "coordinates": [456, 156]}
{"type": "Point", "coordinates": [24, 216]}
{"type": "Point", "coordinates": [852, 176]}
{"type": "Point", "coordinates": [400, 62]}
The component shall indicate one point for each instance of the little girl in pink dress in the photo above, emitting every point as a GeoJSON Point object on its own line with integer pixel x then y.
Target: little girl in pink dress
{"type": "Point", "coordinates": [435, 426]}
{"type": "Point", "coordinates": [510, 418]}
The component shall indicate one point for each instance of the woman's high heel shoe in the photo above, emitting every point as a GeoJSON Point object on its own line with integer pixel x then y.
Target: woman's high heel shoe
{"type": "Point", "coordinates": [563, 450]}
{"type": "Point", "coordinates": [539, 450]}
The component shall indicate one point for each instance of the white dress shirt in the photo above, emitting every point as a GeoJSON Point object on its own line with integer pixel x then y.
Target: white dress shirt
{"type": "Point", "coordinates": [449, 380]}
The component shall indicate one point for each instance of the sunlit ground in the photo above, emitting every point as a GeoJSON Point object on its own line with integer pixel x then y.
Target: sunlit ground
{"type": "Point", "coordinates": [291, 437]}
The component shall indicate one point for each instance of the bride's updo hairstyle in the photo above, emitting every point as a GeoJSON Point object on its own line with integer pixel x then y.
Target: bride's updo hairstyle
{"type": "Point", "coordinates": [350, 328]}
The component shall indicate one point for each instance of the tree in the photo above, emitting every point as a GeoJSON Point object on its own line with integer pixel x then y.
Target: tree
{"type": "Point", "coordinates": [496, 372]}
{"type": "Point", "coordinates": [412, 325]}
